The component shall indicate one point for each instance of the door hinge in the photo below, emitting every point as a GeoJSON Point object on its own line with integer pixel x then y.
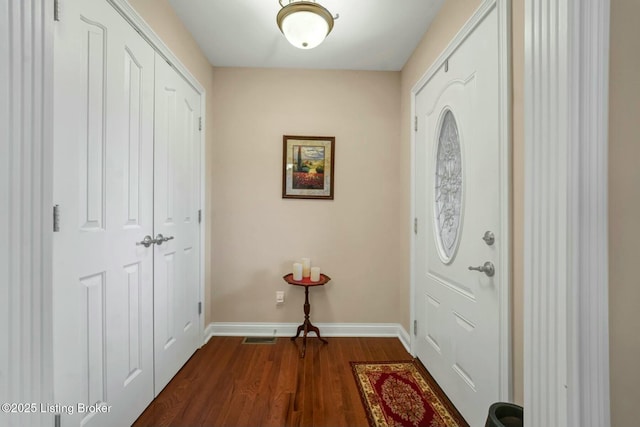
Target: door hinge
{"type": "Point", "coordinates": [415, 123]}
{"type": "Point", "coordinates": [415, 327]}
{"type": "Point", "coordinates": [200, 123]}
{"type": "Point", "coordinates": [415, 225]}
{"type": "Point", "coordinates": [199, 216]}
{"type": "Point", "coordinates": [200, 308]}
{"type": "Point", "coordinates": [56, 10]}
{"type": "Point", "coordinates": [56, 420]}
{"type": "Point", "coordinates": [56, 218]}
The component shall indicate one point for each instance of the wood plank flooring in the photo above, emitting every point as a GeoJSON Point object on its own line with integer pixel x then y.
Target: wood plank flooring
{"type": "Point", "coordinates": [227, 383]}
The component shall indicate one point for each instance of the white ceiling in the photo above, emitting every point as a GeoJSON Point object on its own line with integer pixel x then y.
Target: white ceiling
{"type": "Point", "coordinates": [369, 35]}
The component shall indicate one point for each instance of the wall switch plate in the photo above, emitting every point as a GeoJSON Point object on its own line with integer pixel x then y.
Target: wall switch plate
{"type": "Point", "coordinates": [279, 297]}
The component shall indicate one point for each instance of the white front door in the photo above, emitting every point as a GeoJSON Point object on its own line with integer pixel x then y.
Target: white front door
{"type": "Point", "coordinates": [459, 180]}
{"type": "Point", "coordinates": [103, 182]}
{"type": "Point", "coordinates": [176, 204]}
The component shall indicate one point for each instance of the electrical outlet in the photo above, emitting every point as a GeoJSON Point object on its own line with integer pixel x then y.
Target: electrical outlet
{"type": "Point", "coordinates": [279, 297]}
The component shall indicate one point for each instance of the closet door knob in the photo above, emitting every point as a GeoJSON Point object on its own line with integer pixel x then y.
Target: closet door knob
{"type": "Point", "coordinates": [160, 238]}
{"type": "Point", "coordinates": [146, 242]}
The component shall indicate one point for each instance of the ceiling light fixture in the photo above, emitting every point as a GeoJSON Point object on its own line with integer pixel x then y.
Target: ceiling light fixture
{"type": "Point", "coordinates": [305, 24]}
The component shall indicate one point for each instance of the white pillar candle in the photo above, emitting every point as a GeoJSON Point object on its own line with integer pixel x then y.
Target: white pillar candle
{"type": "Point", "coordinates": [315, 274]}
{"type": "Point", "coordinates": [297, 271]}
{"type": "Point", "coordinates": [306, 267]}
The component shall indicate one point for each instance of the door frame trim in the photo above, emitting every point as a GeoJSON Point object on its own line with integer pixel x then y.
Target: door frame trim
{"type": "Point", "coordinates": [505, 122]}
{"type": "Point", "coordinates": [566, 311]}
{"type": "Point", "coordinates": [145, 31]}
{"type": "Point", "coordinates": [26, 193]}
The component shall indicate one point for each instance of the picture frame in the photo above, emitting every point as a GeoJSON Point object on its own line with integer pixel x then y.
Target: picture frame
{"type": "Point", "coordinates": [308, 164]}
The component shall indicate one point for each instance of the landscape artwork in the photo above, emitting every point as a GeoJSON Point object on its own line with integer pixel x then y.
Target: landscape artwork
{"type": "Point", "coordinates": [308, 167]}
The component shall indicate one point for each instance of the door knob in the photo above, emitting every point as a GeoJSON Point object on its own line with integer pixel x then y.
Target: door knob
{"type": "Point", "coordinates": [487, 268]}
{"type": "Point", "coordinates": [146, 242]}
{"type": "Point", "coordinates": [160, 238]}
{"type": "Point", "coordinates": [489, 238]}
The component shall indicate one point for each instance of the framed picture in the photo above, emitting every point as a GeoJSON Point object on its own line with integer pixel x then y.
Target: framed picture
{"type": "Point", "coordinates": [308, 163]}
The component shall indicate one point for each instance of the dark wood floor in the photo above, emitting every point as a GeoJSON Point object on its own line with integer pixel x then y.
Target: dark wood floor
{"type": "Point", "coordinates": [230, 384]}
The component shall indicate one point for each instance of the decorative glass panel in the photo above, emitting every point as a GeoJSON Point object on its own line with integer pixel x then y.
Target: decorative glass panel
{"type": "Point", "coordinates": [448, 188]}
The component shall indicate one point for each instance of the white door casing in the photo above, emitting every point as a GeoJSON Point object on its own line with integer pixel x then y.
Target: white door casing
{"type": "Point", "coordinates": [463, 316]}
{"type": "Point", "coordinates": [176, 204]}
{"type": "Point", "coordinates": [26, 65]}
{"type": "Point", "coordinates": [103, 182]}
{"type": "Point", "coordinates": [566, 303]}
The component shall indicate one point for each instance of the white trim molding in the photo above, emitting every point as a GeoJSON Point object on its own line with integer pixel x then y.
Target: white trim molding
{"type": "Point", "coordinates": [566, 354]}
{"type": "Point", "coordinates": [242, 329]}
{"type": "Point", "coordinates": [26, 64]}
{"type": "Point", "coordinates": [504, 163]}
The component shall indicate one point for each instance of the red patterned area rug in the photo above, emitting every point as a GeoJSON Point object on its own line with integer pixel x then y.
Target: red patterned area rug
{"type": "Point", "coordinates": [403, 394]}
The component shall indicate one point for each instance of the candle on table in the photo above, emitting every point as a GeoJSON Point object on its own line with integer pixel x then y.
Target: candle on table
{"type": "Point", "coordinates": [297, 271]}
{"type": "Point", "coordinates": [315, 274]}
{"type": "Point", "coordinates": [306, 267]}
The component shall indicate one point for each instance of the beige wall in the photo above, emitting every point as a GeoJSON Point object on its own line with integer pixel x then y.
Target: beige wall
{"type": "Point", "coordinates": [624, 211]}
{"type": "Point", "coordinates": [257, 235]}
{"type": "Point", "coordinates": [517, 63]}
{"type": "Point", "coordinates": [165, 23]}
{"type": "Point", "coordinates": [448, 22]}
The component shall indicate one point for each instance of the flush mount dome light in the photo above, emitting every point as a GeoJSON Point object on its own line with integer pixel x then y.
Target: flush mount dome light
{"type": "Point", "coordinates": [305, 24]}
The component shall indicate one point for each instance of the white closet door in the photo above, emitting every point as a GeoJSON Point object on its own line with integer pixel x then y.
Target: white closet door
{"type": "Point", "coordinates": [103, 182]}
{"type": "Point", "coordinates": [176, 204]}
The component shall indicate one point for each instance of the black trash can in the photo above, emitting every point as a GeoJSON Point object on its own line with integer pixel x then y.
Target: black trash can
{"type": "Point", "coordinates": [503, 414]}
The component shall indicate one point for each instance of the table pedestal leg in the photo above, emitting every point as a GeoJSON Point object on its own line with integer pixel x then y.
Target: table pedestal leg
{"type": "Point", "coordinates": [307, 326]}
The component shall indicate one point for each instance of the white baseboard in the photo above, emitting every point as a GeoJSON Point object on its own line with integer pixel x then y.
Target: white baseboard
{"type": "Point", "coordinates": [405, 339]}
{"type": "Point", "coordinates": [243, 329]}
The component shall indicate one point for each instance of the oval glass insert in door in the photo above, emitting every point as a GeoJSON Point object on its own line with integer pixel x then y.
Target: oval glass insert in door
{"type": "Point", "coordinates": [448, 188]}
